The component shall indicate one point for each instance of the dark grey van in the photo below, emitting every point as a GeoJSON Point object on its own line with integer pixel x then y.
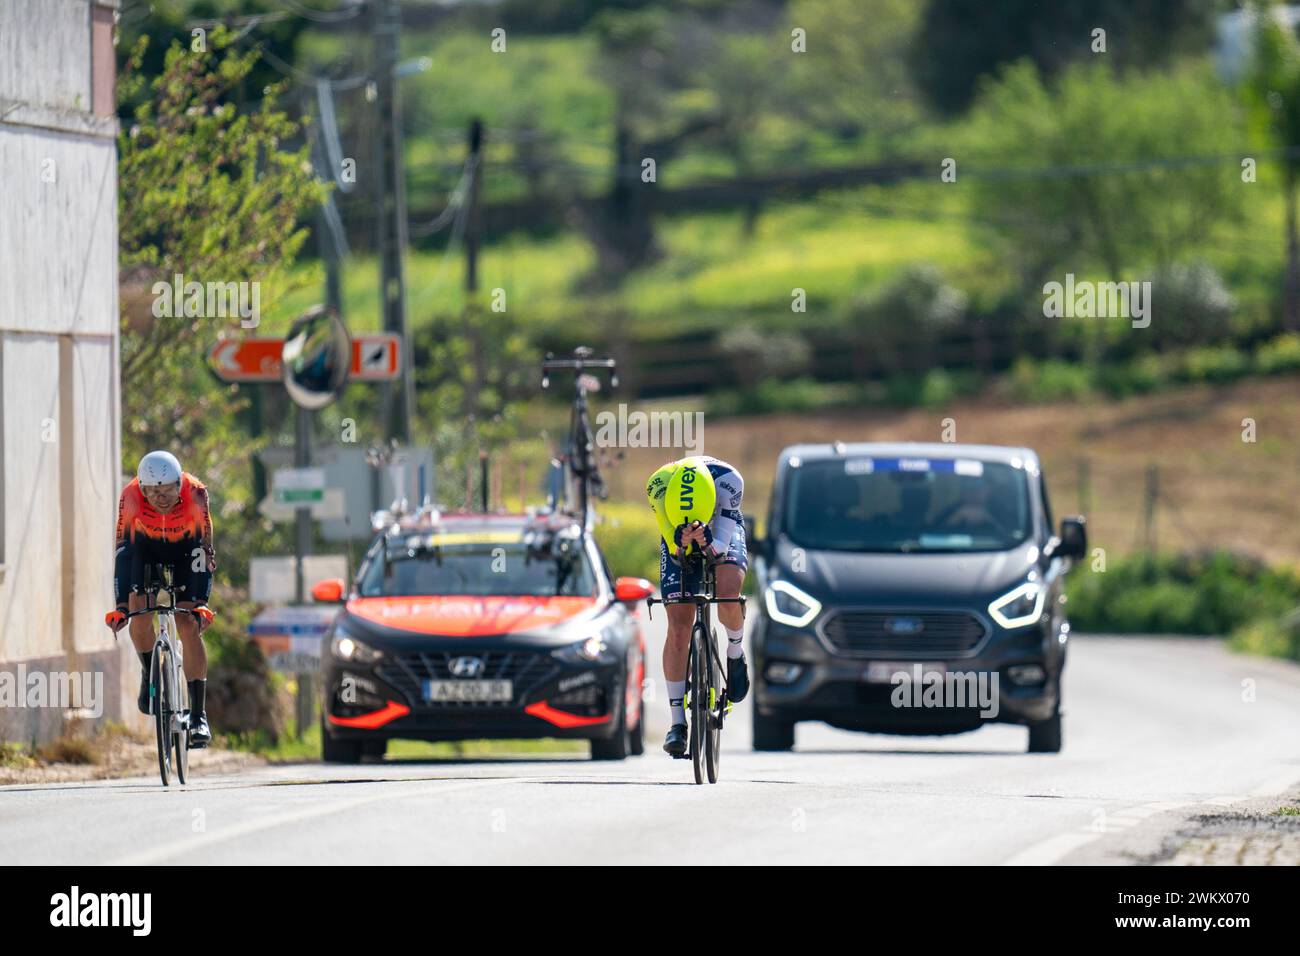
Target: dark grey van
{"type": "Point", "coordinates": [910, 589]}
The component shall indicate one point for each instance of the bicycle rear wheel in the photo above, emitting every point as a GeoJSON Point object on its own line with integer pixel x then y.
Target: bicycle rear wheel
{"type": "Point", "coordinates": [699, 706]}
{"type": "Point", "coordinates": [159, 679]}
{"type": "Point", "coordinates": [713, 727]}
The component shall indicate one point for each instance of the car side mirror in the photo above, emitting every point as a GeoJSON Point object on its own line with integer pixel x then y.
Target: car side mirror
{"type": "Point", "coordinates": [1073, 541]}
{"type": "Point", "coordinates": [632, 590]}
{"type": "Point", "coordinates": [329, 591]}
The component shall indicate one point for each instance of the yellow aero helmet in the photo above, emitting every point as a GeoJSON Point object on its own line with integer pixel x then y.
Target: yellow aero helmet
{"type": "Point", "coordinates": [657, 485]}
{"type": "Point", "coordinates": [691, 495]}
{"type": "Point", "coordinates": [656, 491]}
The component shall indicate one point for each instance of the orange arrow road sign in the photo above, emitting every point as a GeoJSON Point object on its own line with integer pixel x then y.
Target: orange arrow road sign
{"type": "Point", "coordinates": [376, 357]}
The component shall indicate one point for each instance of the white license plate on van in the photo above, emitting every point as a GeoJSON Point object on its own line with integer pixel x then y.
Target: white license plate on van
{"type": "Point", "coordinates": [468, 691]}
{"type": "Point", "coordinates": [882, 672]}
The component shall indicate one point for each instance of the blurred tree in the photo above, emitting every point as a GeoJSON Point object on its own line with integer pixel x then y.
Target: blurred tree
{"type": "Point", "coordinates": [633, 48]}
{"type": "Point", "coordinates": [961, 41]}
{"type": "Point", "coordinates": [558, 16]}
{"type": "Point", "coordinates": [473, 370]}
{"type": "Point", "coordinates": [1098, 170]}
{"type": "Point", "coordinates": [212, 194]}
{"type": "Point", "coordinates": [854, 78]}
{"type": "Point", "coordinates": [683, 74]}
{"type": "Point", "coordinates": [1272, 91]}
{"type": "Point", "coordinates": [1195, 306]}
{"type": "Point", "coordinates": [166, 22]}
{"type": "Point", "coordinates": [898, 326]}
{"type": "Point", "coordinates": [754, 355]}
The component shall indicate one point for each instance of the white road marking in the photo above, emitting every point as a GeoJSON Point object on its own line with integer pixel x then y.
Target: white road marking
{"type": "Point", "coordinates": [1051, 849]}
{"type": "Point", "coordinates": [1056, 848]}
{"type": "Point", "coordinates": [179, 847]}
{"type": "Point", "coordinates": [1277, 785]}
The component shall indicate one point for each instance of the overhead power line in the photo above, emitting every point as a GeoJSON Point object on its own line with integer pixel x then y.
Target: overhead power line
{"type": "Point", "coordinates": [323, 16]}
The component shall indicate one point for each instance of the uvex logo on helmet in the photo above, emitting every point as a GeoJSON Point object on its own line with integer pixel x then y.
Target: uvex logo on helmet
{"type": "Point", "coordinates": [687, 494]}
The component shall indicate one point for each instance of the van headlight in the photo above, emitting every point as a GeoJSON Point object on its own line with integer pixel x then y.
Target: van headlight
{"type": "Point", "coordinates": [786, 604]}
{"type": "Point", "coordinates": [1021, 606]}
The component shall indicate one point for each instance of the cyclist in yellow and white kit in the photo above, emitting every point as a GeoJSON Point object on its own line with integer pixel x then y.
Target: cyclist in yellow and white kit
{"type": "Point", "coordinates": [716, 527]}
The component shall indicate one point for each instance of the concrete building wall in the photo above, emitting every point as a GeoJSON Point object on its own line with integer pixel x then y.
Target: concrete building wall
{"type": "Point", "coordinates": [45, 57]}
{"type": "Point", "coordinates": [59, 399]}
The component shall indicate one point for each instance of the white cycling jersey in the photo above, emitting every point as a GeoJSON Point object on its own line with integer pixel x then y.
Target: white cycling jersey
{"type": "Point", "coordinates": [726, 513]}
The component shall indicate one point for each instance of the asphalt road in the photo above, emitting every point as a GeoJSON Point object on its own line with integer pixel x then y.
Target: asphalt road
{"type": "Point", "coordinates": [1155, 728]}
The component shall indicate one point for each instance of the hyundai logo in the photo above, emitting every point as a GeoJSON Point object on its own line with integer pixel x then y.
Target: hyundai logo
{"type": "Point", "coordinates": [904, 625]}
{"type": "Point", "coordinates": [466, 666]}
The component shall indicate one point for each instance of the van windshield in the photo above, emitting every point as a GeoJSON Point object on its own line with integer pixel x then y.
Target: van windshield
{"type": "Point", "coordinates": [907, 504]}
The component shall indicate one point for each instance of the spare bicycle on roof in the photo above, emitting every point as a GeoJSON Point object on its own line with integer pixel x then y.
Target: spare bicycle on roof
{"type": "Point", "coordinates": [583, 481]}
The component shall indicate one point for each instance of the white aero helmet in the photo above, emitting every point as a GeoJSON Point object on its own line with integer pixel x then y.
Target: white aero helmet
{"type": "Point", "coordinates": [159, 468]}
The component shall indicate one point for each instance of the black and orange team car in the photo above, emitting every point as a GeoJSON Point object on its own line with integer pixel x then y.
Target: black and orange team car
{"type": "Point", "coordinates": [472, 626]}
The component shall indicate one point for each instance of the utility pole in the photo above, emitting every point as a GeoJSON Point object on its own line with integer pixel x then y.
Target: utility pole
{"type": "Point", "coordinates": [301, 548]}
{"type": "Point", "coordinates": [474, 223]}
{"type": "Point", "coordinates": [397, 401]}
{"type": "Point", "coordinates": [474, 327]}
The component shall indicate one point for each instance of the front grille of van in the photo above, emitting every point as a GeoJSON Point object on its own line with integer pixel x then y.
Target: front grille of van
{"type": "Point", "coordinates": [903, 635]}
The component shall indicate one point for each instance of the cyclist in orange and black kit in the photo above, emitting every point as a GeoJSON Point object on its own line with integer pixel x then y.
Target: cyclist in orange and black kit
{"type": "Point", "coordinates": [163, 518]}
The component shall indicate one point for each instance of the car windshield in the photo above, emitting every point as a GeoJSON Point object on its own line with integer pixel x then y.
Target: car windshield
{"type": "Point", "coordinates": [478, 570]}
{"type": "Point", "coordinates": [907, 504]}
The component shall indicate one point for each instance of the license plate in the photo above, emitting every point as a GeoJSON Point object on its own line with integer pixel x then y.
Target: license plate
{"type": "Point", "coordinates": [474, 691]}
{"type": "Point", "coordinates": [882, 672]}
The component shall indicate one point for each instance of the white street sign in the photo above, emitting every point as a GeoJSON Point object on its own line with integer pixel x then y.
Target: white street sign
{"type": "Point", "coordinates": [291, 637]}
{"type": "Point", "coordinates": [331, 507]}
{"type": "Point", "coordinates": [298, 485]}
{"type": "Point", "coordinates": [272, 579]}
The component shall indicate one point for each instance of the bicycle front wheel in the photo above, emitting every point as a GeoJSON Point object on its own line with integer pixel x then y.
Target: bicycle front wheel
{"type": "Point", "coordinates": [159, 680]}
{"type": "Point", "coordinates": [699, 706]}
{"type": "Point", "coordinates": [180, 725]}
{"type": "Point", "coordinates": [713, 727]}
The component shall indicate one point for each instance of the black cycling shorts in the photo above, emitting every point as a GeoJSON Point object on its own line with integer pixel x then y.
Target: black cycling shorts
{"type": "Point", "coordinates": [132, 557]}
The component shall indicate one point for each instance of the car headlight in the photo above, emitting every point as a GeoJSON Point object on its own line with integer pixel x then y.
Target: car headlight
{"type": "Point", "coordinates": [786, 604]}
{"type": "Point", "coordinates": [590, 650]}
{"type": "Point", "coordinates": [1021, 606]}
{"type": "Point", "coordinates": [347, 648]}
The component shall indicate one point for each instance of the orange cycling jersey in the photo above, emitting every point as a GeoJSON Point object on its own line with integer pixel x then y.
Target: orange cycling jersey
{"type": "Point", "coordinates": [188, 520]}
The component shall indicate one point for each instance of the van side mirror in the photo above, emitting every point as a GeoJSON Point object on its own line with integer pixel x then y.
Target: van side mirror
{"type": "Point", "coordinates": [1073, 542]}
{"type": "Point", "coordinates": [753, 543]}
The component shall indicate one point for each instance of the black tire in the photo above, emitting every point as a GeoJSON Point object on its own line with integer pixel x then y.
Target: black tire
{"type": "Point", "coordinates": [338, 751]}
{"type": "Point", "coordinates": [1045, 737]}
{"type": "Point", "coordinates": [772, 733]}
{"type": "Point", "coordinates": [617, 745]}
{"type": "Point", "coordinates": [636, 745]}
{"type": "Point", "coordinates": [159, 673]}
{"type": "Point", "coordinates": [374, 748]}
{"type": "Point", "coordinates": [713, 736]}
{"type": "Point", "coordinates": [699, 707]}
{"type": "Point", "coordinates": [181, 739]}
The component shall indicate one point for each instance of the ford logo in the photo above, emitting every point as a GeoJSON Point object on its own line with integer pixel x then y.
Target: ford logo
{"type": "Point", "coordinates": [466, 666]}
{"type": "Point", "coordinates": [904, 625]}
